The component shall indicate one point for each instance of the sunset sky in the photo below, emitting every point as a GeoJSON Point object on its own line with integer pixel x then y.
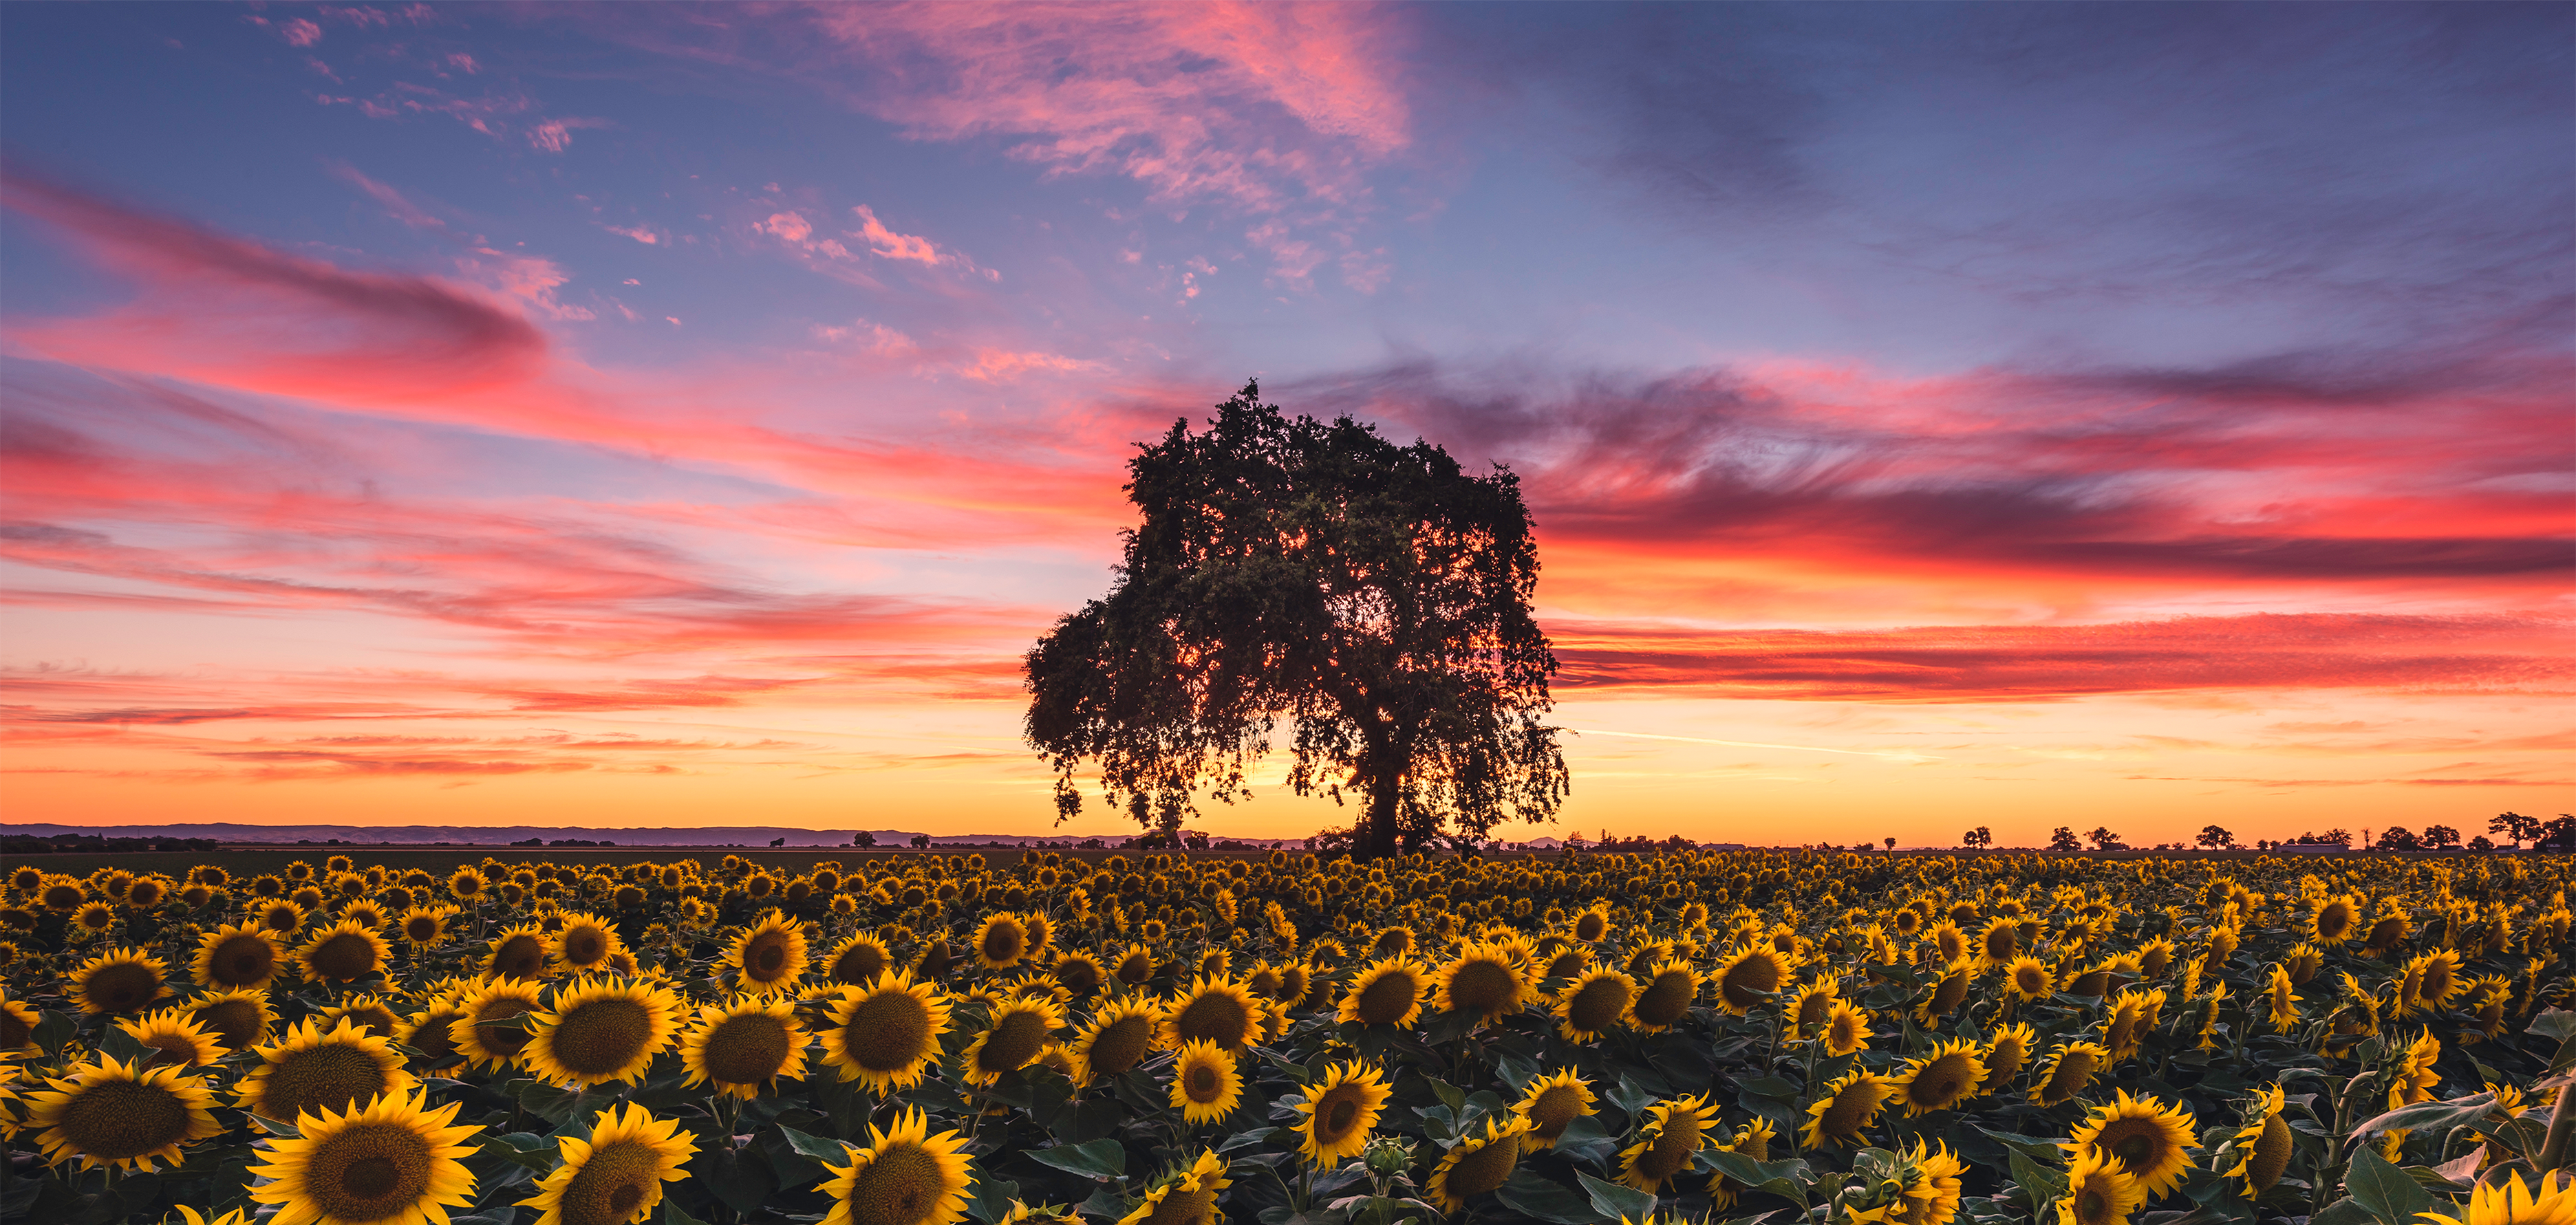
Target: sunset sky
{"type": "Point", "coordinates": [1933, 416]}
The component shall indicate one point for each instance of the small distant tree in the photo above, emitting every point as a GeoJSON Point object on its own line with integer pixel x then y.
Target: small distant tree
{"type": "Point", "coordinates": [2437, 837]}
{"type": "Point", "coordinates": [1891, 844]}
{"type": "Point", "coordinates": [921, 842]}
{"type": "Point", "coordinates": [778, 842]}
{"type": "Point", "coordinates": [2216, 838]}
{"type": "Point", "coordinates": [2105, 840]}
{"type": "Point", "coordinates": [1372, 598]}
{"type": "Point", "coordinates": [2399, 838]}
{"type": "Point", "coordinates": [2515, 826]}
{"type": "Point", "coordinates": [2337, 837]}
{"type": "Point", "coordinates": [1977, 839]}
{"type": "Point", "coordinates": [2557, 835]}
{"type": "Point", "coordinates": [2482, 844]}
{"type": "Point", "coordinates": [863, 838]}
{"type": "Point", "coordinates": [2063, 839]}
{"type": "Point", "coordinates": [1194, 840]}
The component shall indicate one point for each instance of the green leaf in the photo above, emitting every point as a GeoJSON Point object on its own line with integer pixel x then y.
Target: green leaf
{"type": "Point", "coordinates": [2384, 1191]}
{"type": "Point", "coordinates": [2556, 1023]}
{"type": "Point", "coordinates": [1584, 1140]}
{"type": "Point", "coordinates": [1787, 1179]}
{"type": "Point", "coordinates": [2435, 1117]}
{"type": "Point", "coordinates": [674, 1214]}
{"type": "Point", "coordinates": [1450, 1095]}
{"type": "Point", "coordinates": [992, 1197]}
{"type": "Point", "coordinates": [739, 1178]}
{"type": "Point", "coordinates": [1618, 1200]}
{"type": "Point", "coordinates": [1531, 1195]}
{"type": "Point", "coordinates": [522, 1148]}
{"type": "Point", "coordinates": [1102, 1159]}
{"type": "Point", "coordinates": [2045, 1185]}
{"type": "Point", "coordinates": [816, 1147]}
{"type": "Point", "coordinates": [2044, 1152]}
{"type": "Point", "coordinates": [2345, 1211]}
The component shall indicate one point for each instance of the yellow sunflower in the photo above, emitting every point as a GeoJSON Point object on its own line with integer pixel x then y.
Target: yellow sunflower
{"type": "Point", "coordinates": [857, 961]}
{"type": "Point", "coordinates": [2282, 995]}
{"type": "Point", "coordinates": [1484, 980]}
{"type": "Point", "coordinates": [344, 952]}
{"type": "Point", "coordinates": [1135, 967]}
{"type": "Point", "coordinates": [2098, 1192]}
{"type": "Point", "coordinates": [119, 980]}
{"type": "Point", "coordinates": [1668, 1140]}
{"type": "Point", "coordinates": [1186, 1196]}
{"type": "Point", "coordinates": [744, 1046]}
{"type": "Point", "coordinates": [1594, 1004]}
{"type": "Point", "coordinates": [905, 1176]}
{"type": "Point", "coordinates": [108, 1113]}
{"type": "Point", "coordinates": [1001, 942]}
{"type": "Point", "coordinates": [313, 1069]}
{"type": "Point", "coordinates": [1478, 1164]}
{"type": "Point", "coordinates": [423, 926]}
{"type": "Point", "coordinates": [237, 957]}
{"type": "Point", "coordinates": [1811, 1005]}
{"type": "Point", "coordinates": [2006, 1052]}
{"type": "Point", "coordinates": [431, 1032]}
{"type": "Point", "coordinates": [2332, 920]}
{"type": "Point", "coordinates": [1206, 1084]}
{"type": "Point", "coordinates": [2151, 1141]}
{"type": "Point", "coordinates": [1341, 1110]}
{"type": "Point", "coordinates": [769, 955]}
{"type": "Point", "coordinates": [1940, 1080]}
{"type": "Point", "coordinates": [1748, 978]}
{"type": "Point", "coordinates": [2511, 1202]}
{"type": "Point", "coordinates": [2261, 1146]}
{"type": "Point", "coordinates": [615, 1177]}
{"type": "Point", "coordinates": [1388, 992]}
{"type": "Point", "coordinates": [181, 1041]}
{"type": "Point", "coordinates": [2069, 1071]}
{"type": "Point", "coordinates": [394, 1160]}
{"type": "Point", "coordinates": [520, 953]}
{"type": "Point", "coordinates": [1665, 997]}
{"type": "Point", "coordinates": [601, 1031]}
{"type": "Point", "coordinates": [2415, 1078]}
{"type": "Point", "coordinates": [490, 1033]}
{"type": "Point", "coordinates": [887, 1033]}
{"type": "Point", "coordinates": [2030, 979]}
{"type": "Point", "coordinates": [1218, 1010]}
{"type": "Point", "coordinates": [1119, 1037]}
{"type": "Point", "coordinates": [1847, 1107]}
{"type": "Point", "coordinates": [586, 942]}
{"type": "Point", "coordinates": [1550, 1103]}
{"type": "Point", "coordinates": [368, 1013]}
{"type": "Point", "coordinates": [17, 1029]}
{"type": "Point", "coordinates": [1021, 1027]}
{"type": "Point", "coordinates": [238, 1019]}
{"type": "Point", "coordinates": [1846, 1029]}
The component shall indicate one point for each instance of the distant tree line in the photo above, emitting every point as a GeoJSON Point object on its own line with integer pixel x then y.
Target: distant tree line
{"type": "Point", "coordinates": [56, 844]}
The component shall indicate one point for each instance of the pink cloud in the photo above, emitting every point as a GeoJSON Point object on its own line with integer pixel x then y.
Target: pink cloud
{"type": "Point", "coordinates": [299, 33]}
{"type": "Point", "coordinates": [642, 234]}
{"type": "Point", "coordinates": [887, 244]}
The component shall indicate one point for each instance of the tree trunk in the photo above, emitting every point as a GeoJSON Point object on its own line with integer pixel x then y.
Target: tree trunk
{"type": "Point", "coordinates": [1377, 833]}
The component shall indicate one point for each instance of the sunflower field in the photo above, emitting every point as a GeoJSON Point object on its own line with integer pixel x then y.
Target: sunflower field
{"type": "Point", "coordinates": [923, 1039]}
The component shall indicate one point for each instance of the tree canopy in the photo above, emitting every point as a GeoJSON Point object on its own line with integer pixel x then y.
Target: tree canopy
{"type": "Point", "coordinates": [1372, 597]}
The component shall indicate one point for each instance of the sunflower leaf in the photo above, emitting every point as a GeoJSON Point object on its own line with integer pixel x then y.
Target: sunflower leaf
{"type": "Point", "coordinates": [1530, 1195]}
{"type": "Point", "coordinates": [1101, 1159]}
{"type": "Point", "coordinates": [2044, 1152]}
{"type": "Point", "coordinates": [992, 1198]}
{"type": "Point", "coordinates": [2385, 1191]}
{"type": "Point", "coordinates": [674, 1214]}
{"type": "Point", "coordinates": [1617, 1200]}
{"type": "Point", "coordinates": [2045, 1185]}
{"type": "Point", "coordinates": [1786, 1179]}
{"type": "Point", "coordinates": [1585, 1140]}
{"type": "Point", "coordinates": [2439, 1117]}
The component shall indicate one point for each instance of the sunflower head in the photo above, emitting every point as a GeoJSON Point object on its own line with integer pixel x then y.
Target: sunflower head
{"type": "Point", "coordinates": [857, 961]}
{"type": "Point", "coordinates": [1206, 1084]}
{"type": "Point", "coordinates": [1668, 1140]}
{"type": "Point", "coordinates": [1119, 1037]}
{"type": "Point", "coordinates": [2262, 1145]}
{"type": "Point", "coordinates": [1847, 1107]}
{"type": "Point", "coordinates": [343, 952]}
{"type": "Point", "coordinates": [601, 1031]}
{"type": "Point", "coordinates": [392, 1159]}
{"type": "Point", "coordinates": [491, 1033]}
{"type": "Point", "coordinates": [905, 1176]}
{"type": "Point", "coordinates": [887, 1033]}
{"type": "Point", "coordinates": [2070, 1069]}
{"type": "Point", "coordinates": [769, 955]}
{"type": "Point", "coordinates": [1594, 1004]}
{"type": "Point", "coordinates": [1665, 996]}
{"type": "Point", "coordinates": [179, 1038]}
{"type": "Point", "coordinates": [2098, 1191]}
{"type": "Point", "coordinates": [1218, 1010]}
{"type": "Point", "coordinates": [1942, 1079]}
{"type": "Point", "coordinates": [1749, 977]}
{"type": "Point", "coordinates": [1478, 1164]}
{"type": "Point", "coordinates": [1021, 1027]}
{"type": "Point", "coordinates": [1001, 942]}
{"type": "Point", "coordinates": [585, 942]}
{"type": "Point", "coordinates": [119, 981]}
{"type": "Point", "coordinates": [1847, 1029]}
{"type": "Point", "coordinates": [107, 1113]}
{"type": "Point", "coordinates": [1483, 980]}
{"type": "Point", "coordinates": [1185, 1195]}
{"type": "Point", "coordinates": [1550, 1103]}
{"type": "Point", "coordinates": [2149, 1141]}
{"type": "Point", "coordinates": [1341, 1110]}
{"type": "Point", "coordinates": [1388, 992]}
{"type": "Point", "coordinates": [314, 1069]}
{"type": "Point", "coordinates": [2006, 1052]}
{"type": "Point", "coordinates": [744, 1045]}
{"type": "Point", "coordinates": [520, 953]}
{"type": "Point", "coordinates": [615, 1176]}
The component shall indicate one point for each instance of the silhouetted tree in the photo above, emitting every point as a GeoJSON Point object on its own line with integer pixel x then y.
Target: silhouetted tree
{"type": "Point", "coordinates": [2213, 837]}
{"type": "Point", "coordinates": [1375, 597]}
{"type": "Point", "coordinates": [2399, 838]}
{"type": "Point", "coordinates": [2063, 839]}
{"type": "Point", "coordinates": [1977, 838]}
{"type": "Point", "coordinates": [2557, 835]}
{"type": "Point", "coordinates": [2515, 826]}
{"type": "Point", "coordinates": [2105, 840]}
{"type": "Point", "coordinates": [2438, 836]}
{"type": "Point", "coordinates": [863, 838]}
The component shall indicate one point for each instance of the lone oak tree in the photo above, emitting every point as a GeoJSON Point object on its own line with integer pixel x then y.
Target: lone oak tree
{"type": "Point", "coordinates": [1372, 596]}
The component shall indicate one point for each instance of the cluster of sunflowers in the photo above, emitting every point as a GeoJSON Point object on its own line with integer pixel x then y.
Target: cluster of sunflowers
{"type": "Point", "coordinates": [920, 1039]}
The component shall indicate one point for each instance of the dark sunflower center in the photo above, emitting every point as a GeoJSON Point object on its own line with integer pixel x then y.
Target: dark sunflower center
{"type": "Point", "coordinates": [496, 1027]}
{"type": "Point", "coordinates": [121, 986]}
{"type": "Point", "coordinates": [746, 1049]}
{"type": "Point", "coordinates": [582, 947]}
{"type": "Point", "coordinates": [369, 1172]}
{"type": "Point", "coordinates": [768, 956]}
{"type": "Point", "coordinates": [612, 1184]}
{"type": "Point", "coordinates": [858, 966]}
{"type": "Point", "coordinates": [1485, 1169]}
{"type": "Point", "coordinates": [1014, 1042]}
{"type": "Point", "coordinates": [173, 1046]}
{"type": "Point", "coordinates": [1665, 999]}
{"type": "Point", "coordinates": [243, 961]}
{"type": "Point", "coordinates": [1385, 1001]}
{"type": "Point", "coordinates": [421, 931]}
{"type": "Point", "coordinates": [343, 957]}
{"type": "Point", "coordinates": [2135, 1148]}
{"type": "Point", "coordinates": [329, 1077]}
{"type": "Point", "coordinates": [1185, 1208]}
{"type": "Point", "coordinates": [2271, 1155]}
{"type": "Point", "coordinates": [519, 957]}
{"type": "Point", "coordinates": [1119, 1046]}
{"type": "Point", "coordinates": [435, 1041]}
{"type": "Point", "coordinates": [117, 1119]}
{"type": "Point", "coordinates": [601, 1037]}
{"type": "Point", "coordinates": [1002, 943]}
{"type": "Point", "coordinates": [887, 1031]}
{"type": "Point", "coordinates": [902, 1186]}
{"type": "Point", "coordinates": [1338, 1115]}
{"type": "Point", "coordinates": [1483, 986]}
{"type": "Point", "coordinates": [2091, 1207]}
{"type": "Point", "coordinates": [1134, 969]}
{"type": "Point", "coordinates": [1554, 1109]}
{"type": "Point", "coordinates": [1671, 1152]}
{"type": "Point", "coordinates": [1750, 979]}
{"type": "Point", "coordinates": [1215, 1017]}
{"type": "Point", "coordinates": [1597, 1006]}
{"type": "Point", "coordinates": [1204, 1084]}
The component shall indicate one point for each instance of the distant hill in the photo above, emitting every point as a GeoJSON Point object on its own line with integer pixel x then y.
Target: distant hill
{"type": "Point", "coordinates": [503, 835]}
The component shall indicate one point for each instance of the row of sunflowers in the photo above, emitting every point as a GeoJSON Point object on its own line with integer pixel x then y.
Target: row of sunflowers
{"type": "Point", "coordinates": [919, 1039]}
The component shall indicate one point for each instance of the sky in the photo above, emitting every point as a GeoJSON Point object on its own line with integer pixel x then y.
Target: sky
{"type": "Point", "coordinates": [2143, 416]}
